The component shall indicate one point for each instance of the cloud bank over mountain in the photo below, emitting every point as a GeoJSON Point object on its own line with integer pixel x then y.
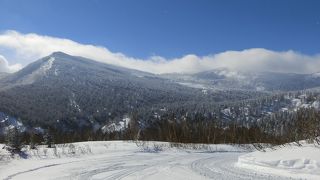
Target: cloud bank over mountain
{"type": "Point", "coordinates": [26, 48]}
{"type": "Point", "coordinates": [5, 67]}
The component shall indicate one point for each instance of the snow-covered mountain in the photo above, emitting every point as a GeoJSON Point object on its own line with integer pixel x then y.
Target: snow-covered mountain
{"type": "Point", "coordinates": [69, 91]}
{"type": "Point", "coordinates": [3, 74]}
{"type": "Point", "coordinates": [255, 81]}
{"type": "Point", "coordinates": [74, 91]}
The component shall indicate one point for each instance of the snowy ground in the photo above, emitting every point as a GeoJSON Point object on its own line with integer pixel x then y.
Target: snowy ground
{"type": "Point", "coordinates": [289, 160]}
{"type": "Point", "coordinates": [126, 160]}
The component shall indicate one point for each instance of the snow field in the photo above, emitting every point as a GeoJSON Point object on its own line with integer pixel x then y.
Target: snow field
{"type": "Point", "coordinates": [290, 160]}
{"type": "Point", "coordinates": [160, 160]}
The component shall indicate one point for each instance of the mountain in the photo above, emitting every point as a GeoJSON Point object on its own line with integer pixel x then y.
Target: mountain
{"type": "Point", "coordinates": [3, 74]}
{"type": "Point", "coordinates": [254, 81]}
{"type": "Point", "coordinates": [73, 92]}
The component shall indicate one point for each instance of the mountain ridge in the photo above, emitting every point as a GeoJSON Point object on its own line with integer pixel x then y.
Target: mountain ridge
{"type": "Point", "coordinates": [79, 91]}
{"type": "Point", "coordinates": [73, 92]}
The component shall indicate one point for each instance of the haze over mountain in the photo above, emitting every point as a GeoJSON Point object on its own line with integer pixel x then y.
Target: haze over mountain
{"type": "Point", "coordinates": [255, 81]}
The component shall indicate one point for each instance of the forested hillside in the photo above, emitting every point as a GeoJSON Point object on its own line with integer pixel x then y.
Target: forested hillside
{"type": "Point", "coordinates": [72, 92]}
{"type": "Point", "coordinates": [71, 98]}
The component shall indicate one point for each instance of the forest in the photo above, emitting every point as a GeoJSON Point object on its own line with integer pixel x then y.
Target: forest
{"type": "Point", "coordinates": [244, 122]}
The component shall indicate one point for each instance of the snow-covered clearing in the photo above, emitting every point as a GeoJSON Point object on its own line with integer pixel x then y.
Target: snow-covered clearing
{"type": "Point", "coordinates": [289, 160]}
{"type": "Point", "coordinates": [129, 160]}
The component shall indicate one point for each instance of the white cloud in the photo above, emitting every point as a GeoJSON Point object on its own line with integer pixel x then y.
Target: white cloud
{"type": "Point", "coordinates": [5, 67]}
{"type": "Point", "coordinates": [30, 47]}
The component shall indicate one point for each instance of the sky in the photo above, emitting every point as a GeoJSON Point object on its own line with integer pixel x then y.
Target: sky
{"type": "Point", "coordinates": [165, 36]}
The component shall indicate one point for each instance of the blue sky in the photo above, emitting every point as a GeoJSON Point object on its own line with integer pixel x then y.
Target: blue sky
{"type": "Point", "coordinates": [171, 28]}
{"type": "Point", "coordinates": [165, 36]}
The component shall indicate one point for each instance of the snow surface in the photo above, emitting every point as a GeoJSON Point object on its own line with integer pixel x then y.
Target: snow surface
{"type": "Point", "coordinates": [8, 122]}
{"type": "Point", "coordinates": [315, 75]}
{"type": "Point", "coordinates": [116, 127]}
{"type": "Point", "coordinates": [128, 160]}
{"type": "Point", "coordinates": [290, 160]}
{"type": "Point", "coordinates": [73, 102]}
{"type": "Point", "coordinates": [42, 71]}
{"type": "Point", "coordinates": [47, 66]}
{"type": "Point", "coordinates": [193, 85]}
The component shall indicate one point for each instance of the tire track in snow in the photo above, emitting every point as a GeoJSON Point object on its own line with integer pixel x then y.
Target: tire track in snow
{"type": "Point", "coordinates": [30, 170]}
{"type": "Point", "coordinates": [127, 170]}
{"type": "Point", "coordinates": [135, 165]}
{"type": "Point", "coordinates": [222, 166]}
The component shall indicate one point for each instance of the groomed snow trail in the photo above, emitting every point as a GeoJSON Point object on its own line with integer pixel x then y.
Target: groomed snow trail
{"type": "Point", "coordinates": [138, 165]}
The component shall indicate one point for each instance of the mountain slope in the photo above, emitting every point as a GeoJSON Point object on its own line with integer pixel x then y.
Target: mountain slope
{"type": "Point", "coordinates": [254, 81]}
{"type": "Point", "coordinates": [3, 74]}
{"type": "Point", "coordinates": [74, 91]}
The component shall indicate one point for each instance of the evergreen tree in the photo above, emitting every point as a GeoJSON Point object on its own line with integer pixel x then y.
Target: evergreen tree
{"type": "Point", "coordinates": [14, 140]}
{"type": "Point", "coordinates": [48, 140]}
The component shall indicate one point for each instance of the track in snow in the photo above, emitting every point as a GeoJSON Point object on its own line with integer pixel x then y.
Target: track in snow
{"type": "Point", "coordinates": [139, 165]}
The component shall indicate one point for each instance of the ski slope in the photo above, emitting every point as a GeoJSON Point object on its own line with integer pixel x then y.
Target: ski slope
{"type": "Point", "coordinates": [126, 160]}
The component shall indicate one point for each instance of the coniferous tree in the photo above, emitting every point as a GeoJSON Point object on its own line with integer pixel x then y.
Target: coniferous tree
{"type": "Point", "coordinates": [14, 140]}
{"type": "Point", "coordinates": [48, 140]}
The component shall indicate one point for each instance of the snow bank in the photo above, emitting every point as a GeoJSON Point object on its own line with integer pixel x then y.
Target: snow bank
{"type": "Point", "coordinates": [290, 160]}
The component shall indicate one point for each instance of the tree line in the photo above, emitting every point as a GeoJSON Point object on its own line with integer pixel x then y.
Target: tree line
{"type": "Point", "coordinates": [304, 124]}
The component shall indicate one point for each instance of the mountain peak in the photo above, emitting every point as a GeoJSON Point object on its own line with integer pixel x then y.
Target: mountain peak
{"type": "Point", "coordinates": [58, 54]}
